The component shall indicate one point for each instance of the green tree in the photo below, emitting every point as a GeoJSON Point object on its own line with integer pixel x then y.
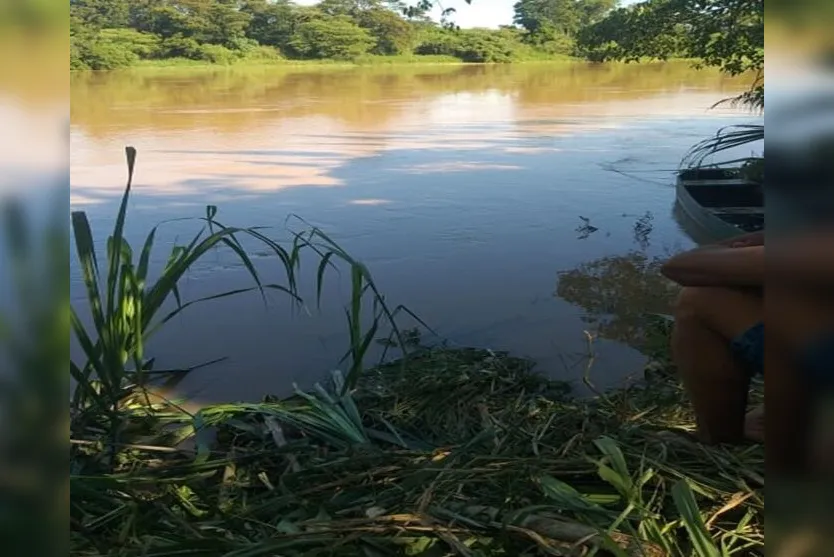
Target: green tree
{"type": "Point", "coordinates": [471, 45]}
{"type": "Point", "coordinates": [633, 33]}
{"type": "Point", "coordinates": [100, 13]}
{"type": "Point", "coordinates": [331, 37]}
{"type": "Point", "coordinates": [486, 46]}
{"type": "Point", "coordinates": [434, 40]}
{"type": "Point", "coordinates": [727, 34]}
{"type": "Point", "coordinates": [347, 7]}
{"type": "Point", "coordinates": [271, 23]}
{"type": "Point", "coordinates": [143, 45]}
{"type": "Point", "coordinates": [102, 55]}
{"type": "Point", "coordinates": [227, 24]}
{"type": "Point", "coordinates": [544, 19]}
{"type": "Point", "coordinates": [114, 33]}
{"type": "Point", "coordinates": [168, 19]}
{"type": "Point", "coordinates": [205, 21]}
{"type": "Point", "coordinates": [392, 33]}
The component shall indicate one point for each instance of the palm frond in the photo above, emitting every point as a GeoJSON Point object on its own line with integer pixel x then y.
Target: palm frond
{"type": "Point", "coordinates": [727, 138]}
{"type": "Point", "coordinates": [752, 99]}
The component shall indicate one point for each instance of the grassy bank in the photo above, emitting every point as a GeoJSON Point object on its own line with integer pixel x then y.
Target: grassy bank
{"type": "Point", "coordinates": [366, 60]}
{"type": "Point", "coordinates": [445, 451]}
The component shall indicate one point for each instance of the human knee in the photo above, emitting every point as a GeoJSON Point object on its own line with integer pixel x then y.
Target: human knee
{"type": "Point", "coordinates": [692, 300]}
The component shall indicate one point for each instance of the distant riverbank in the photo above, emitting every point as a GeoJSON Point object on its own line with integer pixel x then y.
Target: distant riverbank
{"type": "Point", "coordinates": [365, 60]}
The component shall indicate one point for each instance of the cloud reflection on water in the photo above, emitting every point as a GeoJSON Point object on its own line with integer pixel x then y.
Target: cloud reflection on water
{"type": "Point", "coordinates": [501, 110]}
{"type": "Point", "coordinates": [459, 188]}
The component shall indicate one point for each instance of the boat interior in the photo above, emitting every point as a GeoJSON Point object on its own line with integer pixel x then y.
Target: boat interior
{"type": "Point", "coordinates": [723, 193]}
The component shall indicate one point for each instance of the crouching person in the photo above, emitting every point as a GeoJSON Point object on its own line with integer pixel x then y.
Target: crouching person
{"type": "Point", "coordinates": [718, 342]}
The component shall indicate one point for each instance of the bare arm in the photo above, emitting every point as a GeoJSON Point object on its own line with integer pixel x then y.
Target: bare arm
{"type": "Point", "coordinates": [745, 240]}
{"type": "Point", "coordinates": [717, 266]}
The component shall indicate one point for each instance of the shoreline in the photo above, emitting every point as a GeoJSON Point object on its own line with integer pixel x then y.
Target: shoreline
{"type": "Point", "coordinates": [185, 64]}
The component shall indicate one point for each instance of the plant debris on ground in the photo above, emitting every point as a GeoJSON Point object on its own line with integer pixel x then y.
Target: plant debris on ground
{"type": "Point", "coordinates": [449, 452]}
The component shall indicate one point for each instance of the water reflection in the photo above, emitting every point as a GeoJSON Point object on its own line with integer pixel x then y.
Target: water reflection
{"type": "Point", "coordinates": [370, 98]}
{"type": "Point", "coordinates": [209, 127]}
{"type": "Point", "coordinates": [460, 187]}
{"type": "Point", "coordinates": [618, 295]}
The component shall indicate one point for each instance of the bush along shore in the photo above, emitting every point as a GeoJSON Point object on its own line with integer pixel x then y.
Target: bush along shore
{"type": "Point", "coordinates": [444, 451]}
{"type": "Point", "coordinates": [112, 34]}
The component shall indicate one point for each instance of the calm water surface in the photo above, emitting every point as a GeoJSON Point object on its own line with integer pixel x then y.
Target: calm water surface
{"type": "Point", "coordinates": [469, 192]}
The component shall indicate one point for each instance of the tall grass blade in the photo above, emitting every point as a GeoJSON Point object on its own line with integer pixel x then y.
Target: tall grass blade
{"type": "Point", "coordinates": [89, 265]}
{"type": "Point", "coordinates": [325, 261]}
{"type": "Point", "coordinates": [621, 477]}
{"type": "Point", "coordinates": [144, 258]}
{"type": "Point", "coordinates": [702, 543]}
{"type": "Point", "coordinates": [114, 255]}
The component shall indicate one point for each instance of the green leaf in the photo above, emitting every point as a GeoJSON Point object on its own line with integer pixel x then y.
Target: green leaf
{"type": "Point", "coordinates": [566, 496]}
{"type": "Point", "coordinates": [201, 438]}
{"type": "Point", "coordinates": [702, 543]}
{"type": "Point", "coordinates": [144, 258]}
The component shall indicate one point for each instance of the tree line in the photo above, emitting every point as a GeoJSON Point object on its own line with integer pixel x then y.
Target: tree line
{"type": "Point", "coordinates": [108, 34]}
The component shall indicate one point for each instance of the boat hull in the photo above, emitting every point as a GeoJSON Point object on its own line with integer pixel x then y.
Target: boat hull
{"type": "Point", "coordinates": [722, 205]}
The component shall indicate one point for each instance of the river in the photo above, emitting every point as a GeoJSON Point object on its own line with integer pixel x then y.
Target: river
{"type": "Point", "coordinates": [513, 207]}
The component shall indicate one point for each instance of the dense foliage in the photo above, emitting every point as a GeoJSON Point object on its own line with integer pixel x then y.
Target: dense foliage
{"type": "Point", "coordinates": [553, 23]}
{"type": "Point", "coordinates": [727, 34]}
{"type": "Point", "coordinates": [109, 34]}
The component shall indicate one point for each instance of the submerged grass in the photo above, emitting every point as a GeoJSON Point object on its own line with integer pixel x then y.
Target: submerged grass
{"type": "Point", "coordinates": [446, 451]}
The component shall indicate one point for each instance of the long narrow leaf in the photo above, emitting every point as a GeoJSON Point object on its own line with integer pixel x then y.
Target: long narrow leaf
{"type": "Point", "coordinates": [86, 252]}
{"type": "Point", "coordinates": [702, 543]}
{"type": "Point", "coordinates": [118, 233]}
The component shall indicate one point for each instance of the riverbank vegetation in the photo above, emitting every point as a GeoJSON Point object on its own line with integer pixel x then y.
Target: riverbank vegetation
{"type": "Point", "coordinates": [442, 451]}
{"type": "Point", "coordinates": [109, 34]}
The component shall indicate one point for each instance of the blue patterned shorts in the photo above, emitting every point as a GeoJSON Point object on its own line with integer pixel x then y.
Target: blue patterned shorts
{"type": "Point", "coordinates": [749, 348]}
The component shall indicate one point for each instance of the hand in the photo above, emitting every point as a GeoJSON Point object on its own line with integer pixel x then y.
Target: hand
{"type": "Point", "coordinates": [744, 241]}
{"type": "Point", "coordinates": [718, 265]}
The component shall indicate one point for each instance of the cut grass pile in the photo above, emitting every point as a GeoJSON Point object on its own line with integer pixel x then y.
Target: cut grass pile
{"type": "Point", "coordinates": [450, 452]}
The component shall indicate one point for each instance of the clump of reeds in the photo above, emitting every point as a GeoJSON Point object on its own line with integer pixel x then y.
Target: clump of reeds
{"type": "Point", "coordinates": [446, 451]}
{"type": "Point", "coordinates": [127, 307]}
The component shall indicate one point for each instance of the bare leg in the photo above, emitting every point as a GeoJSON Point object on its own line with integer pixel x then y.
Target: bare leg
{"type": "Point", "coordinates": [706, 321]}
